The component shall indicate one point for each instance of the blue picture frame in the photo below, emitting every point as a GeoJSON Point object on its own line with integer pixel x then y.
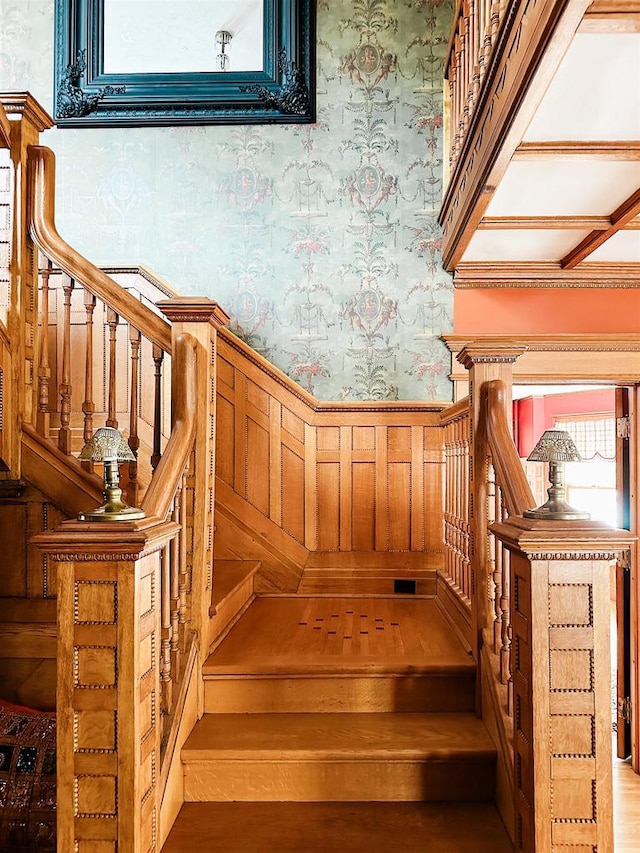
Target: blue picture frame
{"type": "Point", "coordinates": [282, 92]}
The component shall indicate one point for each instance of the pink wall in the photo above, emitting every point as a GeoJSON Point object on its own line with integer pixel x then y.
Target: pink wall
{"type": "Point", "coordinates": [532, 415]}
{"type": "Point", "coordinates": [523, 310]}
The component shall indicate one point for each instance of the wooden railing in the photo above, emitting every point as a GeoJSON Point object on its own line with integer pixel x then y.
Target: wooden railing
{"type": "Point", "coordinates": [133, 597]}
{"type": "Point", "coordinates": [123, 377]}
{"type": "Point", "coordinates": [475, 32]}
{"type": "Point", "coordinates": [539, 603]}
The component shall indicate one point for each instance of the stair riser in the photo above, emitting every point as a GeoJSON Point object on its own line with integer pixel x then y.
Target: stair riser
{"type": "Point", "coordinates": [338, 695]}
{"type": "Point", "coordinates": [335, 781]}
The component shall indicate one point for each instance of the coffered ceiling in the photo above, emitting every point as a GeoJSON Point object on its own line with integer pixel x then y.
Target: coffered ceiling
{"type": "Point", "coordinates": [569, 197]}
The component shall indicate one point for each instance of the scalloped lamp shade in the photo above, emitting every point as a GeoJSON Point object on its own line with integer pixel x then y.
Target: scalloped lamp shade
{"type": "Point", "coordinates": [108, 445]}
{"type": "Point", "coordinates": [556, 447]}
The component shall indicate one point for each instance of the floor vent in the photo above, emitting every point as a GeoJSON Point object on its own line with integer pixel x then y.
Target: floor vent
{"type": "Point", "coordinates": [404, 587]}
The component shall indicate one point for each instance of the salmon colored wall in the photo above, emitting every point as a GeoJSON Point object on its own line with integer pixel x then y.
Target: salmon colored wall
{"type": "Point", "coordinates": [546, 311]}
{"type": "Point", "coordinates": [535, 414]}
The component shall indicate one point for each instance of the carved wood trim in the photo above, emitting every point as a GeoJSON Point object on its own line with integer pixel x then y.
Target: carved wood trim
{"type": "Point", "coordinates": [546, 274]}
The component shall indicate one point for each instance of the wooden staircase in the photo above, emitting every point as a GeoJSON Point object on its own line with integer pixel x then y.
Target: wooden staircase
{"type": "Point", "coordinates": [316, 708]}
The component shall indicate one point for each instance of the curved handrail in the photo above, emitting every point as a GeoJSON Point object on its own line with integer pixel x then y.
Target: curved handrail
{"type": "Point", "coordinates": [162, 488]}
{"type": "Point", "coordinates": [43, 230]}
{"type": "Point", "coordinates": [510, 474]}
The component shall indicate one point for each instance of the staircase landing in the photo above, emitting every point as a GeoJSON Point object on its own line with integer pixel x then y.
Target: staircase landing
{"type": "Point", "coordinates": [326, 634]}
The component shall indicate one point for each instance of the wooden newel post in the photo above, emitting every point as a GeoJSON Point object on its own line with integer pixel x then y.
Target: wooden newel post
{"type": "Point", "coordinates": [561, 664]}
{"type": "Point", "coordinates": [484, 361]}
{"type": "Point", "coordinates": [108, 695]}
{"type": "Point", "coordinates": [201, 317]}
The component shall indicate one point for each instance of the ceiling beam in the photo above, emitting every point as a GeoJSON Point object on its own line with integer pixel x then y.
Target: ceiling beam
{"type": "Point", "coordinates": [618, 219]}
{"type": "Point", "coordinates": [551, 223]}
{"type": "Point", "coordinates": [628, 150]}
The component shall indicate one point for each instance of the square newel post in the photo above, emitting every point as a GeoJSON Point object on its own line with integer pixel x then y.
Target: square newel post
{"type": "Point", "coordinates": [201, 318]}
{"type": "Point", "coordinates": [26, 120]}
{"type": "Point", "coordinates": [108, 694]}
{"type": "Point", "coordinates": [485, 361]}
{"type": "Point", "coordinates": [562, 682]}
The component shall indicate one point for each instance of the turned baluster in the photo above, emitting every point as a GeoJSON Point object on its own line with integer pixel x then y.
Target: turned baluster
{"type": "Point", "coordinates": [44, 371]}
{"type": "Point", "coordinates": [183, 580]}
{"type": "Point", "coordinates": [505, 604]}
{"type": "Point", "coordinates": [88, 406]}
{"type": "Point", "coordinates": [64, 434]}
{"type": "Point", "coordinates": [134, 440]}
{"type": "Point", "coordinates": [158, 356]}
{"type": "Point", "coordinates": [174, 616]}
{"type": "Point", "coordinates": [112, 323]}
{"type": "Point", "coordinates": [166, 683]}
{"type": "Point", "coordinates": [498, 577]}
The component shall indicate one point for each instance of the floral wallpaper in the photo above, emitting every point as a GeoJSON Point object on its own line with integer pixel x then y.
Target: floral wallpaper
{"type": "Point", "coordinates": [321, 241]}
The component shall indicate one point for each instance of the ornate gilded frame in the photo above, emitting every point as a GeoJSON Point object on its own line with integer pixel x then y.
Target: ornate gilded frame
{"type": "Point", "coordinates": [283, 92]}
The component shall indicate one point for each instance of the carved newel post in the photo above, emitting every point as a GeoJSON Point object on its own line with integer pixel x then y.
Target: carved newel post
{"type": "Point", "coordinates": [562, 682]}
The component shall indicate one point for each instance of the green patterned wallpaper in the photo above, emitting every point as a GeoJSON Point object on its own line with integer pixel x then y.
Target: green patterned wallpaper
{"type": "Point", "coordinates": [321, 241]}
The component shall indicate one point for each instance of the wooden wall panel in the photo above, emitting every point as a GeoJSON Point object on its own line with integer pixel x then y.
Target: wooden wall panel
{"type": "Point", "coordinates": [328, 485]}
{"type": "Point", "coordinates": [360, 477]}
{"type": "Point", "coordinates": [364, 512]}
{"type": "Point", "coordinates": [399, 507]}
{"type": "Point", "coordinates": [13, 526]}
{"type": "Point", "coordinates": [257, 466]}
{"type": "Point", "coordinates": [293, 494]}
{"type": "Point", "coordinates": [226, 452]}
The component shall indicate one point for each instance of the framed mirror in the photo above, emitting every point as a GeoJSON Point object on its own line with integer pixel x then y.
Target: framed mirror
{"type": "Point", "coordinates": [168, 62]}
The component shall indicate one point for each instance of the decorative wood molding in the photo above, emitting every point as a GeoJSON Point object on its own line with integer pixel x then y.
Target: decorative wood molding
{"type": "Point", "coordinates": [628, 150]}
{"type": "Point", "coordinates": [560, 358]}
{"type": "Point", "coordinates": [546, 275]}
{"type": "Point", "coordinates": [26, 106]}
{"type": "Point", "coordinates": [549, 223]}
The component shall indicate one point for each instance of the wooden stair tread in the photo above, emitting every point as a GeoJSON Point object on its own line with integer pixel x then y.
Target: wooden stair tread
{"type": "Point", "coordinates": [296, 635]}
{"type": "Point", "coordinates": [228, 575]}
{"type": "Point", "coordinates": [339, 828]}
{"type": "Point", "coordinates": [321, 737]}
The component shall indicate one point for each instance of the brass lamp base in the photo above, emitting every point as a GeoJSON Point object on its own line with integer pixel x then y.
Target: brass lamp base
{"type": "Point", "coordinates": [113, 509]}
{"type": "Point", "coordinates": [557, 511]}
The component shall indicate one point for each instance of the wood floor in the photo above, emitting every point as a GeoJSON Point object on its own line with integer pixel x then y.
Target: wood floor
{"type": "Point", "coordinates": [626, 807]}
{"type": "Point", "coordinates": [322, 633]}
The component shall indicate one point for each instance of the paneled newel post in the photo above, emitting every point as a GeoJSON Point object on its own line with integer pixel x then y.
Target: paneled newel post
{"type": "Point", "coordinates": [562, 681]}
{"type": "Point", "coordinates": [484, 361]}
{"type": "Point", "coordinates": [108, 695]}
{"type": "Point", "coordinates": [201, 318]}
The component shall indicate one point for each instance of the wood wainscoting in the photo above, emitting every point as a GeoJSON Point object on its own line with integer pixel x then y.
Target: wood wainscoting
{"type": "Point", "coordinates": [324, 493]}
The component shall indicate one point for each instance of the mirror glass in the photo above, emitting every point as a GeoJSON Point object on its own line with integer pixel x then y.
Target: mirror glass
{"type": "Point", "coordinates": [182, 36]}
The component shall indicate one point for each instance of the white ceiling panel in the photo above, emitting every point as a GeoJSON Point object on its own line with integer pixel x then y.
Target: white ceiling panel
{"type": "Point", "coordinates": [521, 245]}
{"type": "Point", "coordinates": [595, 94]}
{"type": "Point", "coordinates": [548, 187]}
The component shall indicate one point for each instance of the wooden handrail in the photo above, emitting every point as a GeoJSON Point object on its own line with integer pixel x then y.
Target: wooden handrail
{"type": "Point", "coordinates": [159, 496]}
{"type": "Point", "coordinates": [45, 234]}
{"type": "Point", "coordinates": [510, 474]}
{"type": "Point", "coordinates": [457, 410]}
